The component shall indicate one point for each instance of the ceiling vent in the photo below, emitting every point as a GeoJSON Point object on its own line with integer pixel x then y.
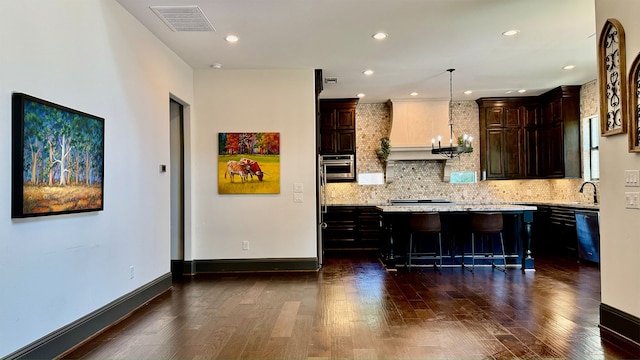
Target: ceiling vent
{"type": "Point", "coordinates": [183, 18]}
{"type": "Point", "coordinates": [331, 80]}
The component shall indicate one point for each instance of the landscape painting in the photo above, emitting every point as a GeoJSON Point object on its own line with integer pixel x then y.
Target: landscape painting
{"type": "Point", "coordinates": [249, 163]}
{"type": "Point", "coordinates": [57, 159]}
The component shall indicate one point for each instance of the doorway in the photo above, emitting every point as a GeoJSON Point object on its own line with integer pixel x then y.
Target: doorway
{"type": "Point", "coordinates": [176, 140]}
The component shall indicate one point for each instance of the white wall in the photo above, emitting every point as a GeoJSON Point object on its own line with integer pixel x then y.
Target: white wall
{"type": "Point", "coordinates": [620, 242]}
{"type": "Point", "coordinates": [92, 56]}
{"type": "Point", "coordinates": [254, 101]}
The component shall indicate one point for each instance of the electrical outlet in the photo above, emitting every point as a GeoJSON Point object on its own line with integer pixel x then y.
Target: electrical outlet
{"type": "Point", "coordinates": [632, 200]}
{"type": "Point", "coordinates": [632, 178]}
{"type": "Point", "coordinates": [131, 272]}
{"type": "Point", "coordinates": [297, 197]}
{"type": "Point", "coordinates": [245, 245]}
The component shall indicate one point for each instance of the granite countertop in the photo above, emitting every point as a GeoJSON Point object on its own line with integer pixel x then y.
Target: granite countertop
{"type": "Point", "coordinates": [457, 207]}
{"type": "Point", "coordinates": [486, 206]}
{"type": "Point", "coordinates": [569, 204]}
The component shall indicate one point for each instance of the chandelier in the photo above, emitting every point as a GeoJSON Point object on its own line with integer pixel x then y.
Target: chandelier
{"type": "Point", "coordinates": [463, 144]}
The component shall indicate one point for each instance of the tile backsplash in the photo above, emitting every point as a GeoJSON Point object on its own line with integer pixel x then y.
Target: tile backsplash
{"type": "Point", "coordinates": [423, 179]}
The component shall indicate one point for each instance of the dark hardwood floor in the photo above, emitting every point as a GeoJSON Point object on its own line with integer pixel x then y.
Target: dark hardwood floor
{"type": "Point", "coordinates": [354, 309]}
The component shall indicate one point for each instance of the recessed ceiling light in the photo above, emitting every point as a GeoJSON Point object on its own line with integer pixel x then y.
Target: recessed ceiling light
{"type": "Point", "coordinates": [522, 91]}
{"type": "Point", "coordinates": [360, 95]}
{"type": "Point", "coordinates": [368, 72]}
{"type": "Point", "coordinates": [508, 91]}
{"type": "Point", "coordinates": [216, 66]}
{"type": "Point", "coordinates": [380, 36]}
{"type": "Point", "coordinates": [569, 67]}
{"type": "Point", "coordinates": [510, 32]}
{"type": "Point", "coordinates": [468, 92]}
{"type": "Point", "coordinates": [231, 38]}
{"type": "Point", "coordinates": [414, 94]}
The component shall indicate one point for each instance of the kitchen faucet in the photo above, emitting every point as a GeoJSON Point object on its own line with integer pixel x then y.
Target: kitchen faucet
{"type": "Point", "coordinates": [595, 190]}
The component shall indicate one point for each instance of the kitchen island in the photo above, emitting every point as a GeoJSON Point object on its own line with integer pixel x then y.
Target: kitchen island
{"type": "Point", "coordinates": [456, 232]}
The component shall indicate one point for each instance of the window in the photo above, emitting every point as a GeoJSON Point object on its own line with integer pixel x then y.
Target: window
{"type": "Point", "coordinates": [591, 148]}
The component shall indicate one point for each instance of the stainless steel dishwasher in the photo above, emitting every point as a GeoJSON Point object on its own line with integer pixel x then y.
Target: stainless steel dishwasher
{"type": "Point", "coordinates": [588, 231]}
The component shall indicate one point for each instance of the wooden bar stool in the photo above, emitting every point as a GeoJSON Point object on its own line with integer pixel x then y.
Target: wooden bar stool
{"type": "Point", "coordinates": [425, 224]}
{"type": "Point", "coordinates": [486, 224]}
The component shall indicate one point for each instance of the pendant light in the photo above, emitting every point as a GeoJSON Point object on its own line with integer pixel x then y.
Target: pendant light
{"type": "Point", "coordinates": [452, 151]}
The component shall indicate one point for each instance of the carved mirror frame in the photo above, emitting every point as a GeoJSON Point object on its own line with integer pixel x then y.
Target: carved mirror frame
{"type": "Point", "coordinates": [612, 74]}
{"type": "Point", "coordinates": [634, 106]}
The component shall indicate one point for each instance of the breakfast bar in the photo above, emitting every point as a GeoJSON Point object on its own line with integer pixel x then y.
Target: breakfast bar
{"type": "Point", "coordinates": [456, 232]}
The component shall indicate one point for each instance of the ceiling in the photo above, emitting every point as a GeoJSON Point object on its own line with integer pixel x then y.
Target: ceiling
{"type": "Point", "coordinates": [426, 37]}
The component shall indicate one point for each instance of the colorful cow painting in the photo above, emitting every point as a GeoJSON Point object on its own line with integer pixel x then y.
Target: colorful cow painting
{"type": "Point", "coordinates": [249, 163]}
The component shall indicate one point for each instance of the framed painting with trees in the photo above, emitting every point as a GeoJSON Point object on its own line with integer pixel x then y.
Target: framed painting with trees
{"type": "Point", "coordinates": [57, 159]}
{"type": "Point", "coordinates": [249, 163]}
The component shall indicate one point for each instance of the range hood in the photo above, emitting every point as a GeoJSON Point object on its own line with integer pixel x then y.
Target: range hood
{"type": "Point", "coordinates": [413, 125]}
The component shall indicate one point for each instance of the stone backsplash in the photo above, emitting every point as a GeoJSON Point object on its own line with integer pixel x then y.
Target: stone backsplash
{"type": "Point", "coordinates": [423, 179]}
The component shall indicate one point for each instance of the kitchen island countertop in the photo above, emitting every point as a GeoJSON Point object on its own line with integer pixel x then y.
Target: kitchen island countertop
{"type": "Point", "coordinates": [456, 207]}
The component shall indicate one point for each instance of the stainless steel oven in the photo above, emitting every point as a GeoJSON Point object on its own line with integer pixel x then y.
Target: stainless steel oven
{"type": "Point", "coordinates": [339, 167]}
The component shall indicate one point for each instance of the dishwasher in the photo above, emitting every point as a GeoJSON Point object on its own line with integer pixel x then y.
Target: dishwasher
{"type": "Point", "coordinates": [588, 232]}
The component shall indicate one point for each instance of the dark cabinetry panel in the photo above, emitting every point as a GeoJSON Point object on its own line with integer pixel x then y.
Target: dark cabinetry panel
{"type": "Point", "coordinates": [502, 135]}
{"type": "Point", "coordinates": [351, 228]}
{"type": "Point", "coordinates": [562, 119]}
{"type": "Point", "coordinates": [531, 137]}
{"type": "Point", "coordinates": [569, 231]}
{"type": "Point", "coordinates": [338, 126]}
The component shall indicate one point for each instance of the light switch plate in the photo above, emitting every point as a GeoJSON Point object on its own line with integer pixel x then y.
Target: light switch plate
{"type": "Point", "coordinates": [298, 188]}
{"type": "Point", "coordinates": [632, 200]}
{"type": "Point", "coordinates": [632, 178]}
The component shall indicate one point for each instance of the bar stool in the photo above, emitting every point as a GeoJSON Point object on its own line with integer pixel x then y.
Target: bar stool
{"type": "Point", "coordinates": [425, 224]}
{"type": "Point", "coordinates": [486, 224]}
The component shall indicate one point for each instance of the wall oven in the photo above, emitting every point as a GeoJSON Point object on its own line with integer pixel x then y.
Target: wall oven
{"type": "Point", "coordinates": [338, 167]}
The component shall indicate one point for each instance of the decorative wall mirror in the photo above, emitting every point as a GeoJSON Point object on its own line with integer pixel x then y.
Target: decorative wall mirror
{"type": "Point", "coordinates": [634, 106]}
{"type": "Point", "coordinates": [611, 68]}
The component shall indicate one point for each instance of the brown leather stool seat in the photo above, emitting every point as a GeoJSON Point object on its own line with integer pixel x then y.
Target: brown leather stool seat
{"type": "Point", "coordinates": [486, 224]}
{"type": "Point", "coordinates": [425, 224]}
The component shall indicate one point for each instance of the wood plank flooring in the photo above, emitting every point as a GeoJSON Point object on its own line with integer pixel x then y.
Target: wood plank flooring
{"type": "Point", "coordinates": [354, 309]}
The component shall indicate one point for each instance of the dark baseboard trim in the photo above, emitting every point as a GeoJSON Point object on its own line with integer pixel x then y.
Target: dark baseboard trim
{"type": "Point", "coordinates": [619, 327]}
{"type": "Point", "coordinates": [180, 268]}
{"type": "Point", "coordinates": [231, 265]}
{"type": "Point", "coordinates": [71, 335]}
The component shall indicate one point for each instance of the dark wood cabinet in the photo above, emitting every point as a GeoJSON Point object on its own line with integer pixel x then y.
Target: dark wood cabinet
{"type": "Point", "coordinates": [502, 136]}
{"type": "Point", "coordinates": [338, 126]}
{"type": "Point", "coordinates": [568, 231]}
{"type": "Point", "coordinates": [341, 227]}
{"type": "Point", "coordinates": [555, 231]}
{"type": "Point", "coordinates": [561, 126]}
{"type": "Point", "coordinates": [351, 228]}
{"type": "Point", "coordinates": [531, 137]}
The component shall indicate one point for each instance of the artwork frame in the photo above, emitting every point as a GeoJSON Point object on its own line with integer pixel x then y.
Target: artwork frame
{"type": "Point", "coordinates": [613, 80]}
{"type": "Point", "coordinates": [248, 163]}
{"type": "Point", "coordinates": [634, 106]}
{"type": "Point", "coordinates": [57, 159]}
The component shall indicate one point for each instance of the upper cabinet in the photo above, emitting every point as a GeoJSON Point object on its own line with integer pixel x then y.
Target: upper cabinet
{"type": "Point", "coordinates": [503, 140]}
{"type": "Point", "coordinates": [338, 126]}
{"type": "Point", "coordinates": [560, 143]}
{"type": "Point", "coordinates": [531, 137]}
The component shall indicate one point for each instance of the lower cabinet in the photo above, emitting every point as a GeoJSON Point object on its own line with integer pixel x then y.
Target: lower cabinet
{"type": "Point", "coordinates": [562, 229]}
{"type": "Point", "coordinates": [351, 228]}
{"type": "Point", "coordinates": [566, 231]}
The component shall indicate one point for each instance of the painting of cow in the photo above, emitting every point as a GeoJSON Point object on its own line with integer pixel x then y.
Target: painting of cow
{"type": "Point", "coordinates": [254, 158]}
